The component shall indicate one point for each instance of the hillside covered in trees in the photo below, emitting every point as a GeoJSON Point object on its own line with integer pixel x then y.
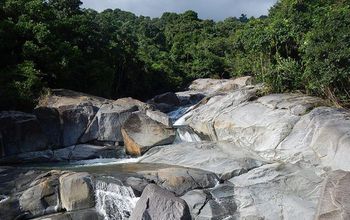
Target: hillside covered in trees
{"type": "Point", "coordinates": [302, 45]}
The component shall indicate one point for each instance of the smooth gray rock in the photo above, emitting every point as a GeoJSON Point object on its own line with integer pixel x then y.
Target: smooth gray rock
{"type": "Point", "coordinates": [256, 124]}
{"type": "Point", "coordinates": [141, 133]}
{"type": "Point", "coordinates": [223, 158]}
{"type": "Point", "coordinates": [76, 191]}
{"type": "Point", "coordinates": [106, 126]}
{"type": "Point", "coordinates": [181, 180]}
{"type": "Point", "coordinates": [20, 133]}
{"type": "Point", "coordinates": [278, 191]}
{"type": "Point", "coordinates": [42, 197]}
{"type": "Point", "coordinates": [202, 117]}
{"type": "Point", "coordinates": [322, 137]}
{"type": "Point", "coordinates": [334, 203]}
{"type": "Point", "coordinates": [157, 203]}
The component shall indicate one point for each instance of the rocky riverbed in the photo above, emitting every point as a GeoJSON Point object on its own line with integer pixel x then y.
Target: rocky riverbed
{"type": "Point", "coordinates": [219, 150]}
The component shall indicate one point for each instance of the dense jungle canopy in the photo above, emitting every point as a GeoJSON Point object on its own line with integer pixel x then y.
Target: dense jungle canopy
{"type": "Point", "coordinates": [302, 45]}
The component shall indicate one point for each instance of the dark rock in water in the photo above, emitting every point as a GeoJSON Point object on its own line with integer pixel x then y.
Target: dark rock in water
{"type": "Point", "coordinates": [141, 133]}
{"type": "Point", "coordinates": [181, 180]}
{"type": "Point", "coordinates": [19, 133]}
{"type": "Point", "coordinates": [334, 202]}
{"type": "Point", "coordinates": [76, 191]}
{"type": "Point", "coordinates": [157, 203]}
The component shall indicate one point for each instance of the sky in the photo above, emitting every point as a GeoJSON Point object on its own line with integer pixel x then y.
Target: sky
{"type": "Point", "coordinates": [206, 9]}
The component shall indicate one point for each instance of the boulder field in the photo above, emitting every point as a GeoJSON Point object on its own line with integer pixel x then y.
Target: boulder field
{"type": "Point", "coordinates": [254, 156]}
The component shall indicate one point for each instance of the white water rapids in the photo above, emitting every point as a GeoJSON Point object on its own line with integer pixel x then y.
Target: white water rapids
{"type": "Point", "coordinates": [184, 132]}
{"type": "Point", "coordinates": [113, 200]}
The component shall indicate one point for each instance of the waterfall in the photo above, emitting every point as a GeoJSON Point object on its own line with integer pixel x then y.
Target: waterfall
{"type": "Point", "coordinates": [113, 200]}
{"type": "Point", "coordinates": [186, 134]}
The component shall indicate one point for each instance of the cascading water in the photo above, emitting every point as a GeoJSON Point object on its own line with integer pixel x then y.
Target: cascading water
{"type": "Point", "coordinates": [114, 201]}
{"type": "Point", "coordinates": [184, 132]}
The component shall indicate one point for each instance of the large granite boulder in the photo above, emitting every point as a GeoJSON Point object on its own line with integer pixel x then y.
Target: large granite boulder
{"type": "Point", "coordinates": [106, 126]}
{"type": "Point", "coordinates": [181, 180]}
{"type": "Point", "coordinates": [278, 191]}
{"type": "Point", "coordinates": [76, 191]}
{"type": "Point", "coordinates": [141, 133]}
{"type": "Point", "coordinates": [223, 158]}
{"type": "Point", "coordinates": [157, 203]}
{"type": "Point", "coordinates": [334, 203]}
{"type": "Point", "coordinates": [42, 197]}
{"type": "Point", "coordinates": [76, 112]}
{"type": "Point", "coordinates": [20, 133]}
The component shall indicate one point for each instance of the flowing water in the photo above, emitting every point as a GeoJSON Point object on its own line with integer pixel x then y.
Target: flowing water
{"type": "Point", "coordinates": [114, 201]}
{"type": "Point", "coordinates": [184, 133]}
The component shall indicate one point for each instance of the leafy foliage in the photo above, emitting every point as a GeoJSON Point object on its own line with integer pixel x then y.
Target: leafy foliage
{"type": "Point", "coordinates": [301, 45]}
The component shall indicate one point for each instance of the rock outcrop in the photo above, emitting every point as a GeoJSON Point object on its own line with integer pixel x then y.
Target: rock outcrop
{"type": "Point", "coordinates": [157, 203]}
{"type": "Point", "coordinates": [181, 180]}
{"type": "Point", "coordinates": [277, 191]}
{"type": "Point", "coordinates": [141, 133]}
{"type": "Point", "coordinates": [66, 126]}
{"type": "Point", "coordinates": [223, 158]}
